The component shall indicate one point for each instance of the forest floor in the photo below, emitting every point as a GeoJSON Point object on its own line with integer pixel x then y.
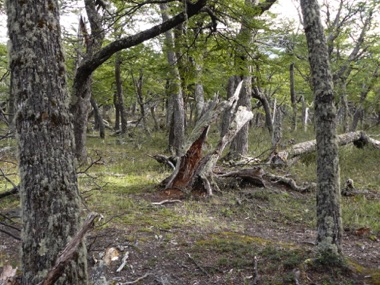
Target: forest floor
{"type": "Point", "coordinates": [250, 235]}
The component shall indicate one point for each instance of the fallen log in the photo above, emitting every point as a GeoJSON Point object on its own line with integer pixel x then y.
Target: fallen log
{"type": "Point", "coordinates": [288, 156]}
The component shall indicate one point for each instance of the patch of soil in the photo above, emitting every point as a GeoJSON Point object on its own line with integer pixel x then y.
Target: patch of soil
{"type": "Point", "coordinates": [221, 253]}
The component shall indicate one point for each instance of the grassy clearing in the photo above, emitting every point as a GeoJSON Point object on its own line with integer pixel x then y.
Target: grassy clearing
{"type": "Point", "coordinates": [226, 232]}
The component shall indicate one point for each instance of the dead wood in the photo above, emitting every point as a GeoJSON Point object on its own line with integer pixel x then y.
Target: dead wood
{"type": "Point", "coordinates": [165, 160]}
{"type": "Point", "coordinates": [250, 175]}
{"type": "Point", "coordinates": [188, 164]}
{"type": "Point", "coordinates": [287, 156]}
{"type": "Point", "coordinates": [68, 253]}
{"type": "Point", "coordinates": [290, 183]}
{"type": "Point", "coordinates": [193, 172]}
{"type": "Point", "coordinates": [258, 177]}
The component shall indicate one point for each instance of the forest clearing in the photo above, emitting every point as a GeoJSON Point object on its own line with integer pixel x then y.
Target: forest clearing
{"type": "Point", "coordinates": [213, 240]}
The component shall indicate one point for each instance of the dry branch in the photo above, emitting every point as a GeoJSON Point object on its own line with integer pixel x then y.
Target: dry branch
{"type": "Point", "coordinates": [13, 191]}
{"type": "Point", "coordinates": [135, 281]}
{"type": "Point", "coordinates": [68, 253]}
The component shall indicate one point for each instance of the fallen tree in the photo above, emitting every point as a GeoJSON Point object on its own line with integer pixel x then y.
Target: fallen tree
{"type": "Point", "coordinates": [289, 155]}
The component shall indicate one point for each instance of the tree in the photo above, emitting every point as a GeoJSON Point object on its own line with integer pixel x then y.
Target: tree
{"type": "Point", "coordinates": [329, 224]}
{"type": "Point", "coordinates": [49, 191]}
{"type": "Point", "coordinates": [176, 114]}
{"type": "Point", "coordinates": [94, 60]}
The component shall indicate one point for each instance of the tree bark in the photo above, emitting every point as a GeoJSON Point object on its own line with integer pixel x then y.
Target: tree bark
{"type": "Point", "coordinates": [177, 123]}
{"type": "Point", "coordinates": [99, 124]}
{"type": "Point", "coordinates": [120, 97]}
{"type": "Point", "coordinates": [293, 98]}
{"type": "Point", "coordinates": [329, 221]}
{"type": "Point", "coordinates": [80, 100]}
{"type": "Point", "coordinates": [48, 189]}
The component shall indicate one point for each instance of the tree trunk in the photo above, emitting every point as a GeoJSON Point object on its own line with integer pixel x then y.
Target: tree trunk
{"type": "Point", "coordinates": [140, 98]}
{"type": "Point", "coordinates": [257, 93]}
{"type": "Point", "coordinates": [99, 124]}
{"type": "Point", "coordinates": [80, 103]}
{"type": "Point", "coordinates": [120, 97]}
{"type": "Point", "coordinates": [329, 221]}
{"type": "Point", "coordinates": [177, 123]}
{"type": "Point", "coordinates": [48, 189]}
{"type": "Point", "coordinates": [193, 172]}
{"type": "Point", "coordinates": [233, 82]}
{"type": "Point", "coordinates": [239, 145]}
{"type": "Point", "coordinates": [359, 113]}
{"type": "Point", "coordinates": [293, 98]}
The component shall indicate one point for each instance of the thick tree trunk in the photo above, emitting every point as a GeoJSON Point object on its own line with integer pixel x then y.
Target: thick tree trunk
{"type": "Point", "coordinates": [48, 189]}
{"type": "Point", "coordinates": [329, 221]}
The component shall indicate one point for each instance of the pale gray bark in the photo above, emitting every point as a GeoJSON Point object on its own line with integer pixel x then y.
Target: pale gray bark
{"type": "Point", "coordinates": [329, 221]}
{"type": "Point", "coordinates": [177, 118]}
{"type": "Point", "coordinates": [48, 189]}
{"type": "Point", "coordinates": [80, 100]}
{"type": "Point", "coordinates": [233, 82]}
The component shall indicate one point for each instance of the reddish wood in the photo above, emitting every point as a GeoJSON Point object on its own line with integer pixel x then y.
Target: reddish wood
{"type": "Point", "coordinates": [188, 164]}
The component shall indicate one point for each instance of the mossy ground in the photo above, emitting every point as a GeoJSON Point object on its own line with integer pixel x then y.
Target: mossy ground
{"type": "Point", "coordinates": [216, 240]}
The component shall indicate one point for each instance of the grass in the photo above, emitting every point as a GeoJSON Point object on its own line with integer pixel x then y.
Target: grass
{"type": "Point", "coordinates": [218, 232]}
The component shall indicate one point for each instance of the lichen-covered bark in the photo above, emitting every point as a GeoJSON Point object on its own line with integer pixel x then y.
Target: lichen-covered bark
{"type": "Point", "coordinates": [329, 223]}
{"type": "Point", "coordinates": [48, 188]}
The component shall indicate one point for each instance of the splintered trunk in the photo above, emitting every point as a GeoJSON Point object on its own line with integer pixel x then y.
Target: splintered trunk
{"type": "Point", "coordinates": [48, 188]}
{"type": "Point", "coordinates": [329, 222]}
{"type": "Point", "coordinates": [194, 172]}
{"type": "Point", "coordinates": [239, 145]}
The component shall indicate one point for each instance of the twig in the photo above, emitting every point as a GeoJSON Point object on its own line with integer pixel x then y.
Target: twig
{"type": "Point", "coordinates": [135, 281]}
{"type": "Point", "coordinates": [124, 262]}
{"type": "Point", "coordinates": [8, 233]}
{"type": "Point", "coordinates": [296, 276]}
{"type": "Point", "coordinates": [13, 191]}
{"type": "Point", "coordinates": [6, 178]}
{"type": "Point", "coordinates": [196, 263]}
{"type": "Point", "coordinates": [10, 226]}
{"type": "Point", "coordinates": [67, 254]}
{"type": "Point", "coordinates": [255, 272]}
{"type": "Point", "coordinates": [167, 202]}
